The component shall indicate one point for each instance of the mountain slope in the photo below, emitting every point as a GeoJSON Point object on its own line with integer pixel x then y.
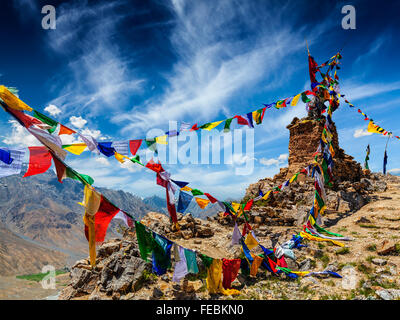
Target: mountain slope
{"type": "Point", "coordinates": [42, 210]}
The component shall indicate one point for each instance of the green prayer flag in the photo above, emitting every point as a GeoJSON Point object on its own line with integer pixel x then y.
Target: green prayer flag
{"type": "Point", "coordinates": [304, 98]}
{"type": "Point", "coordinates": [47, 120]}
{"type": "Point", "coordinates": [207, 261]}
{"type": "Point", "coordinates": [145, 240]}
{"type": "Point", "coordinates": [228, 125]}
{"type": "Point", "coordinates": [191, 262]}
{"type": "Point", "coordinates": [197, 192]}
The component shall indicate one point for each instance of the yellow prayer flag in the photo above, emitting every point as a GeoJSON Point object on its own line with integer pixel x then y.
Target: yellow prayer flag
{"type": "Point", "coordinates": [214, 279]}
{"type": "Point", "coordinates": [162, 139]}
{"type": "Point", "coordinates": [186, 188]}
{"type": "Point", "coordinates": [265, 197]}
{"type": "Point", "coordinates": [77, 148]}
{"type": "Point", "coordinates": [202, 202]}
{"type": "Point", "coordinates": [212, 125]}
{"type": "Point", "coordinates": [295, 100]}
{"type": "Point", "coordinates": [121, 158]}
{"type": "Point", "coordinates": [372, 127]}
{"type": "Point", "coordinates": [12, 101]}
{"type": "Point", "coordinates": [250, 241]}
{"type": "Point", "coordinates": [235, 206]}
{"type": "Point", "coordinates": [293, 178]}
{"type": "Point", "coordinates": [92, 200]}
{"type": "Point", "coordinates": [257, 261]}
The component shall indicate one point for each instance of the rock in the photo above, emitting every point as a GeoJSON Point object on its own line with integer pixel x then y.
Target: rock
{"type": "Point", "coordinates": [379, 262]}
{"type": "Point", "coordinates": [388, 294]}
{"type": "Point", "coordinates": [305, 265]}
{"type": "Point", "coordinates": [332, 267]}
{"type": "Point", "coordinates": [187, 234]}
{"type": "Point", "coordinates": [157, 293]}
{"type": "Point", "coordinates": [363, 220]}
{"type": "Point", "coordinates": [197, 241]}
{"type": "Point", "coordinates": [107, 249]}
{"type": "Point", "coordinates": [204, 232]}
{"type": "Point", "coordinates": [388, 248]}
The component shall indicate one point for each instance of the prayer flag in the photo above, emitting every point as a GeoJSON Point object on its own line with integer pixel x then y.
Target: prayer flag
{"type": "Point", "coordinates": [106, 148]}
{"type": "Point", "coordinates": [39, 161]}
{"type": "Point", "coordinates": [65, 130]}
{"type": "Point", "coordinates": [134, 145]}
{"type": "Point", "coordinates": [184, 201]}
{"type": "Point", "coordinates": [12, 101]}
{"type": "Point", "coordinates": [202, 202]}
{"type": "Point", "coordinates": [122, 147]}
{"type": "Point", "coordinates": [15, 166]}
{"type": "Point", "coordinates": [76, 148]}
{"type": "Point", "coordinates": [197, 192]}
{"type": "Point", "coordinates": [162, 139]}
{"type": "Point", "coordinates": [5, 156]}
{"type": "Point", "coordinates": [385, 157]}
{"type": "Point", "coordinates": [210, 197]}
{"type": "Point", "coordinates": [209, 126]}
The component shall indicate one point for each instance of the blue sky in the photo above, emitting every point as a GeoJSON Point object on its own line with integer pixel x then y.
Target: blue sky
{"type": "Point", "coordinates": [117, 69]}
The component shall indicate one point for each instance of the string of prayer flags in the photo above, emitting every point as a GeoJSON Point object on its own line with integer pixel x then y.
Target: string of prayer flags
{"type": "Point", "coordinates": [13, 101]}
{"type": "Point", "coordinates": [39, 161]}
{"type": "Point", "coordinates": [202, 202]}
{"type": "Point", "coordinates": [15, 166]}
{"type": "Point", "coordinates": [134, 146]}
{"type": "Point", "coordinates": [184, 201]}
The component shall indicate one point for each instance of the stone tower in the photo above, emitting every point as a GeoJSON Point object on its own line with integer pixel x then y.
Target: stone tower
{"type": "Point", "coordinates": [304, 139]}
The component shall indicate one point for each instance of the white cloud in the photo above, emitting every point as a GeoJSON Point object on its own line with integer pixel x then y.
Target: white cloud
{"type": "Point", "coordinates": [269, 162]}
{"type": "Point", "coordinates": [395, 170]}
{"type": "Point", "coordinates": [77, 122]}
{"type": "Point", "coordinates": [214, 62]}
{"type": "Point", "coordinates": [102, 160]}
{"type": "Point", "coordinates": [358, 133]}
{"type": "Point", "coordinates": [356, 91]}
{"type": "Point", "coordinates": [52, 109]}
{"type": "Point", "coordinates": [94, 133]}
{"type": "Point", "coordinates": [20, 136]}
{"type": "Point", "coordinates": [99, 76]}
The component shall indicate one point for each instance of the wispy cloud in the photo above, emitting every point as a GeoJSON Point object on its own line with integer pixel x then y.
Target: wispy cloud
{"type": "Point", "coordinates": [358, 133]}
{"type": "Point", "coordinates": [216, 60]}
{"type": "Point", "coordinates": [99, 76]}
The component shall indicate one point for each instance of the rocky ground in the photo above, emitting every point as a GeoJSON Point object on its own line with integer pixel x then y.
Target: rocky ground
{"type": "Point", "coordinates": [368, 211]}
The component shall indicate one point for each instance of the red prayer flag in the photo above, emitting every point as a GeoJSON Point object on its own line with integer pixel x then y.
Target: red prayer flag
{"type": "Point", "coordinates": [210, 197]}
{"type": "Point", "coordinates": [156, 167]}
{"type": "Point", "coordinates": [102, 219]}
{"type": "Point", "coordinates": [230, 270]}
{"type": "Point", "coordinates": [241, 120]}
{"type": "Point", "coordinates": [24, 119]}
{"type": "Point", "coordinates": [39, 161]}
{"type": "Point", "coordinates": [60, 169]}
{"type": "Point", "coordinates": [65, 130]}
{"type": "Point", "coordinates": [134, 145]}
{"type": "Point", "coordinates": [194, 128]}
{"type": "Point", "coordinates": [312, 68]}
{"type": "Point", "coordinates": [248, 205]}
